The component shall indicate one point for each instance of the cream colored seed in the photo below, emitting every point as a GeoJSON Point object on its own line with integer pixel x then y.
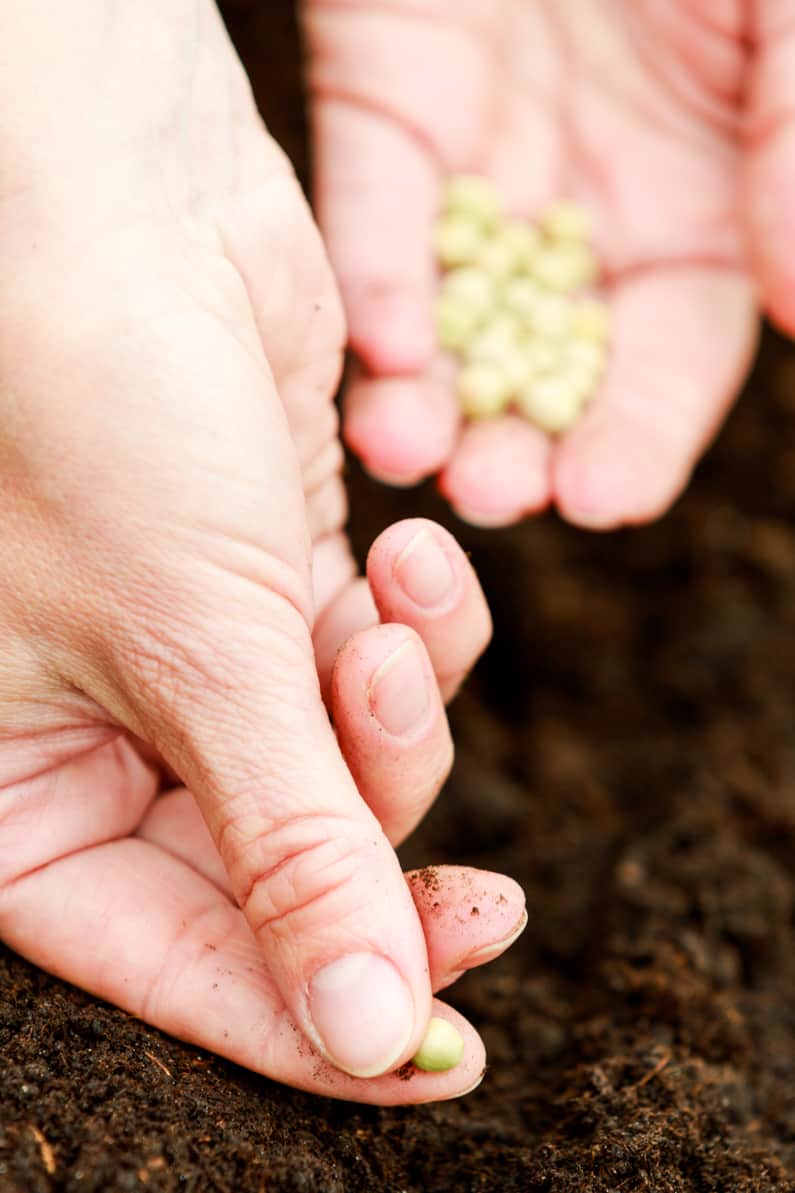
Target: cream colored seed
{"type": "Point", "coordinates": [483, 389]}
{"type": "Point", "coordinates": [566, 220]}
{"type": "Point", "coordinates": [565, 268]}
{"type": "Point", "coordinates": [474, 197]}
{"type": "Point", "coordinates": [551, 402]}
{"type": "Point", "coordinates": [521, 296]}
{"type": "Point", "coordinates": [587, 354]}
{"type": "Point", "coordinates": [493, 341]}
{"type": "Point", "coordinates": [455, 323]}
{"type": "Point", "coordinates": [457, 240]}
{"type": "Point", "coordinates": [441, 1049]}
{"type": "Point", "coordinates": [519, 368]}
{"type": "Point", "coordinates": [551, 318]}
{"type": "Point", "coordinates": [497, 257]}
{"type": "Point", "coordinates": [524, 241]}
{"type": "Point", "coordinates": [473, 288]}
{"type": "Point", "coordinates": [591, 320]}
{"type": "Point", "coordinates": [544, 356]}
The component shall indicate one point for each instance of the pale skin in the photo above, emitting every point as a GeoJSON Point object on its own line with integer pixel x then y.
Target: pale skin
{"type": "Point", "coordinates": [174, 580]}
{"type": "Point", "coordinates": [670, 120]}
{"type": "Point", "coordinates": [175, 586]}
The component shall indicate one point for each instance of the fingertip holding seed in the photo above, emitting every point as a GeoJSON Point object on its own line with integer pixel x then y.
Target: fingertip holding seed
{"type": "Point", "coordinates": [441, 1049]}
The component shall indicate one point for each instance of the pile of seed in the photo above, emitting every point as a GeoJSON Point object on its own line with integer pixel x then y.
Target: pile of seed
{"type": "Point", "coordinates": [516, 306]}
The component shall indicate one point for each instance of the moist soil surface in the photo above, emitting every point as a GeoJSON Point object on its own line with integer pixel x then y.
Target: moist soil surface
{"type": "Point", "coordinates": [626, 751]}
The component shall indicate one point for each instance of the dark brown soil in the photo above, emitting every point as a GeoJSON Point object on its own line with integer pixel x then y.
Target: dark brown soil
{"type": "Point", "coordinates": [626, 751]}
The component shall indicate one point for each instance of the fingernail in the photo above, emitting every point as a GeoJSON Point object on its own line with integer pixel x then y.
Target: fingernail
{"type": "Point", "coordinates": [399, 691]}
{"type": "Point", "coordinates": [423, 571]}
{"type": "Point", "coordinates": [488, 952]}
{"type": "Point", "coordinates": [362, 1012]}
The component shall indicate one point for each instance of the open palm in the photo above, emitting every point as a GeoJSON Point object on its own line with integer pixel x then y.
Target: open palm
{"type": "Point", "coordinates": [633, 109]}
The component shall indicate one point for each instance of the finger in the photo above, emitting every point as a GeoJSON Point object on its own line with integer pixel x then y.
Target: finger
{"type": "Point", "coordinates": [391, 724]}
{"type": "Point", "coordinates": [420, 577]}
{"type": "Point", "coordinates": [178, 954]}
{"type": "Point", "coordinates": [769, 191]}
{"type": "Point", "coordinates": [469, 917]}
{"type": "Point", "coordinates": [175, 952]}
{"type": "Point", "coordinates": [231, 697]}
{"type": "Point", "coordinates": [683, 340]}
{"type": "Point", "coordinates": [402, 428]}
{"type": "Point", "coordinates": [499, 472]}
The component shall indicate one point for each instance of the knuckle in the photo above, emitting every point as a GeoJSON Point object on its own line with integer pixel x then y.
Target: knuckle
{"type": "Point", "coordinates": [307, 869]}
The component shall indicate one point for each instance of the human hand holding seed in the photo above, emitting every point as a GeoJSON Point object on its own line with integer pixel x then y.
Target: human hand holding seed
{"type": "Point", "coordinates": [632, 110]}
{"type": "Point", "coordinates": [175, 588]}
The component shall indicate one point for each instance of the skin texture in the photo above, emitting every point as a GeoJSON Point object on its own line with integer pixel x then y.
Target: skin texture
{"type": "Point", "coordinates": [174, 580]}
{"type": "Point", "coordinates": [670, 121]}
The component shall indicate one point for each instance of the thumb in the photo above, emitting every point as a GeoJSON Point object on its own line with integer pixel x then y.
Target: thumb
{"type": "Point", "coordinates": [228, 693]}
{"type": "Point", "coordinates": [770, 160]}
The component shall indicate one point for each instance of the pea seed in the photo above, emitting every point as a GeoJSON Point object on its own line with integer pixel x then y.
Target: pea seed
{"type": "Point", "coordinates": [493, 341]}
{"type": "Point", "coordinates": [474, 197]}
{"type": "Point", "coordinates": [471, 287]}
{"type": "Point", "coordinates": [566, 220]}
{"type": "Point", "coordinates": [455, 323]}
{"type": "Point", "coordinates": [551, 317]}
{"type": "Point", "coordinates": [591, 320]}
{"type": "Point", "coordinates": [523, 240]}
{"type": "Point", "coordinates": [496, 257]}
{"type": "Point", "coordinates": [543, 355]}
{"type": "Point", "coordinates": [565, 268]}
{"type": "Point", "coordinates": [457, 240]}
{"type": "Point", "coordinates": [551, 402]}
{"type": "Point", "coordinates": [521, 296]}
{"type": "Point", "coordinates": [483, 389]}
{"type": "Point", "coordinates": [587, 354]}
{"type": "Point", "coordinates": [442, 1048]}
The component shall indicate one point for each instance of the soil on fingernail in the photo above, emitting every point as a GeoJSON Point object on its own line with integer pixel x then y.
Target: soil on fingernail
{"type": "Point", "coordinates": [625, 752]}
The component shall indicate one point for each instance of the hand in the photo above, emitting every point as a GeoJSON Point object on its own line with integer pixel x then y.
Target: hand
{"type": "Point", "coordinates": [632, 108]}
{"type": "Point", "coordinates": [173, 573]}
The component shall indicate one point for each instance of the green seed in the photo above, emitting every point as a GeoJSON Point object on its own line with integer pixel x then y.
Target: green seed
{"type": "Point", "coordinates": [564, 268]}
{"type": "Point", "coordinates": [457, 240]}
{"type": "Point", "coordinates": [455, 323]}
{"type": "Point", "coordinates": [483, 389]}
{"type": "Point", "coordinates": [551, 402]}
{"type": "Point", "coordinates": [551, 318]}
{"type": "Point", "coordinates": [496, 257]}
{"type": "Point", "coordinates": [474, 197]}
{"type": "Point", "coordinates": [566, 221]}
{"type": "Point", "coordinates": [441, 1050]}
{"type": "Point", "coordinates": [521, 296]}
{"type": "Point", "coordinates": [523, 240]}
{"type": "Point", "coordinates": [591, 320]}
{"type": "Point", "coordinates": [472, 287]}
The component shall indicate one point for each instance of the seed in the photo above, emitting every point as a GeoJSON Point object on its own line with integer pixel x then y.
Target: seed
{"type": "Point", "coordinates": [566, 220]}
{"type": "Point", "coordinates": [455, 323]}
{"type": "Point", "coordinates": [591, 320]}
{"type": "Point", "coordinates": [472, 287]}
{"type": "Point", "coordinates": [441, 1049]}
{"type": "Point", "coordinates": [564, 268]}
{"type": "Point", "coordinates": [483, 388]}
{"type": "Point", "coordinates": [523, 240]}
{"type": "Point", "coordinates": [551, 317]}
{"type": "Point", "coordinates": [493, 341]}
{"type": "Point", "coordinates": [544, 356]}
{"type": "Point", "coordinates": [497, 257]}
{"type": "Point", "coordinates": [551, 402]}
{"type": "Point", "coordinates": [587, 354]}
{"type": "Point", "coordinates": [521, 295]}
{"type": "Point", "coordinates": [457, 240]}
{"type": "Point", "coordinates": [474, 197]}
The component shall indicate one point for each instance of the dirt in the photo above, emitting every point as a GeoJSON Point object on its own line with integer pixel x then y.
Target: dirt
{"type": "Point", "coordinates": [626, 751]}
